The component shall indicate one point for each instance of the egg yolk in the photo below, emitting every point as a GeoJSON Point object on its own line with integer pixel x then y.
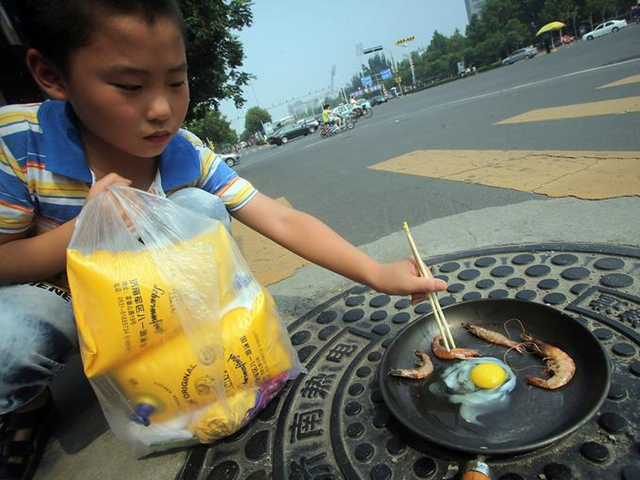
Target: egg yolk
{"type": "Point", "coordinates": [487, 375]}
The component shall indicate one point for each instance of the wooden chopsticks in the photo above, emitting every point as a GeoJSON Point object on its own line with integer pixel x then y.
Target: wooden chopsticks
{"type": "Point", "coordinates": [433, 300]}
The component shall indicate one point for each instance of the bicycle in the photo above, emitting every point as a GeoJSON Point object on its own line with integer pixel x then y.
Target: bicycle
{"type": "Point", "coordinates": [331, 129]}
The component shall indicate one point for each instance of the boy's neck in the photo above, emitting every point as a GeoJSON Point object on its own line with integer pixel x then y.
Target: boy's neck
{"type": "Point", "coordinates": [104, 159]}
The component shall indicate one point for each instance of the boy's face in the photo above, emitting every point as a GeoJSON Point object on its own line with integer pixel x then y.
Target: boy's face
{"type": "Point", "coordinates": [129, 86]}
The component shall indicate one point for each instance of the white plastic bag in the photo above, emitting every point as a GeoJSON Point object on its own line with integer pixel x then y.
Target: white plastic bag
{"type": "Point", "coordinates": [178, 340]}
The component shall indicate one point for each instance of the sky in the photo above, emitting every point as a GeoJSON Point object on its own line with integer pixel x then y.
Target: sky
{"type": "Point", "coordinates": [292, 45]}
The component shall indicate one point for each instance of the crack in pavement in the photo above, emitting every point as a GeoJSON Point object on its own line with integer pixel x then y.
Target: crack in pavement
{"type": "Point", "coordinates": [583, 157]}
{"type": "Point", "coordinates": [535, 190]}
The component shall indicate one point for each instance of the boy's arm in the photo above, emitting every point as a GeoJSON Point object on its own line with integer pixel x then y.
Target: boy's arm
{"type": "Point", "coordinates": [35, 258]}
{"type": "Point", "coordinates": [313, 240]}
{"type": "Point", "coordinates": [43, 256]}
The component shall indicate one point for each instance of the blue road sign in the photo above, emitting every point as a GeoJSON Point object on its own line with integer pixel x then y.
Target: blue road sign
{"type": "Point", "coordinates": [366, 81]}
{"type": "Point", "coordinates": [386, 74]}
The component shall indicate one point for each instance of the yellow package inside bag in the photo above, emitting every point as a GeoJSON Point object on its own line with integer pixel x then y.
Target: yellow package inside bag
{"type": "Point", "coordinates": [122, 303]}
{"type": "Point", "coordinates": [171, 379]}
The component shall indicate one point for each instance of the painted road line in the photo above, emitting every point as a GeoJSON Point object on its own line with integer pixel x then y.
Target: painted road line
{"type": "Point", "coordinates": [581, 174]}
{"type": "Point", "coordinates": [268, 261]}
{"type": "Point", "coordinates": [591, 109]}
{"type": "Point", "coordinates": [623, 81]}
{"type": "Point", "coordinates": [518, 87]}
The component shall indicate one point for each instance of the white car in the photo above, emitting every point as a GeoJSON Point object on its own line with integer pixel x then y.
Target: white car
{"type": "Point", "coordinates": [342, 109]}
{"type": "Point", "coordinates": [231, 159]}
{"type": "Point", "coordinates": [612, 26]}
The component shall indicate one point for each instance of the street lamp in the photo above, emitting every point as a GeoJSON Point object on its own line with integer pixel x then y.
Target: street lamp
{"type": "Point", "coordinates": [413, 71]}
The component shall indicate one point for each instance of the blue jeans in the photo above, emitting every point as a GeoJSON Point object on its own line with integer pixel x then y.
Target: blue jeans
{"type": "Point", "coordinates": [38, 327]}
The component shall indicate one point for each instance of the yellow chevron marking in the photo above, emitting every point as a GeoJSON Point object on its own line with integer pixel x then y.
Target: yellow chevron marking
{"type": "Point", "coordinates": [582, 174]}
{"type": "Point", "coordinates": [624, 81]}
{"type": "Point", "coordinates": [591, 109]}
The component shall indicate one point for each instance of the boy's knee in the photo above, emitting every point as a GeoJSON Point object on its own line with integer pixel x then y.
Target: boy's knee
{"type": "Point", "coordinates": [205, 203]}
{"type": "Point", "coordinates": [30, 351]}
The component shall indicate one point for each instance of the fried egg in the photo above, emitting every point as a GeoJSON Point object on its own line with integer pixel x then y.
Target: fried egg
{"type": "Point", "coordinates": [479, 385]}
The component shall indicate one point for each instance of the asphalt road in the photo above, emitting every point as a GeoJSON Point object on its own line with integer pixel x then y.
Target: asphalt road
{"type": "Point", "coordinates": [330, 179]}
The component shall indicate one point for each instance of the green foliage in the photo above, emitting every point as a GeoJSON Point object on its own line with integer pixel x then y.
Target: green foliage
{"type": "Point", "coordinates": [214, 127]}
{"type": "Point", "coordinates": [254, 119]}
{"type": "Point", "coordinates": [503, 26]}
{"type": "Point", "coordinates": [214, 53]}
{"type": "Point", "coordinates": [375, 65]}
{"type": "Point", "coordinates": [560, 10]}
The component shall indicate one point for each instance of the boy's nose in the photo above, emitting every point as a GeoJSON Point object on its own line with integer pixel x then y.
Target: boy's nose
{"type": "Point", "coordinates": [159, 108]}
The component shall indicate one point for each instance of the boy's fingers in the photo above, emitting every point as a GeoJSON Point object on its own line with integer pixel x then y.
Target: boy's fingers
{"type": "Point", "coordinates": [438, 285]}
{"type": "Point", "coordinates": [417, 298]}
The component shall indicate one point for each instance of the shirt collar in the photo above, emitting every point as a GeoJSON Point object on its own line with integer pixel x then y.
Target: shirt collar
{"type": "Point", "coordinates": [179, 163]}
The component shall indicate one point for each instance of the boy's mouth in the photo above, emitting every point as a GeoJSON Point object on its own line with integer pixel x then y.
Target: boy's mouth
{"type": "Point", "coordinates": [158, 137]}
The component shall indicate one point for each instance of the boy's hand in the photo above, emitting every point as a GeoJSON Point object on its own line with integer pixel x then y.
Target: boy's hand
{"type": "Point", "coordinates": [102, 184]}
{"type": "Point", "coordinates": [403, 278]}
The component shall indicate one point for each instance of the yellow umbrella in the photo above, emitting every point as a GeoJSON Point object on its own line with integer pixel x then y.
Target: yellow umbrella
{"type": "Point", "coordinates": [550, 27]}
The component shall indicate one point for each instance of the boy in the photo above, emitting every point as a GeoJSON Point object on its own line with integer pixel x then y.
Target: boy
{"type": "Point", "coordinates": [329, 116]}
{"type": "Point", "coordinates": [117, 76]}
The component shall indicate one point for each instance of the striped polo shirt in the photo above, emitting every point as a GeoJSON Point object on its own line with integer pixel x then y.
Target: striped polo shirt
{"type": "Point", "coordinates": [45, 178]}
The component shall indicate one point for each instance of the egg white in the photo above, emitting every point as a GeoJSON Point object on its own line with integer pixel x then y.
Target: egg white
{"type": "Point", "coordinates": [456, 386]}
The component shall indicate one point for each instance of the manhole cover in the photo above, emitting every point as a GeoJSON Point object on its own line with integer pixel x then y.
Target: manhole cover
{"type": "Point", "coordinates": [332, 423]}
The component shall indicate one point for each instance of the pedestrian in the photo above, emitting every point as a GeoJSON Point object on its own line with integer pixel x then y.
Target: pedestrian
{"type": "Point", "coordinates": [547, 43]}
{"type": "Point", "coordinates": [116, 76]}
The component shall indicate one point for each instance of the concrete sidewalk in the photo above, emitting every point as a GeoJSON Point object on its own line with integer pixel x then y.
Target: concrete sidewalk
{"type": "Point", "coordinates": [83, 447]}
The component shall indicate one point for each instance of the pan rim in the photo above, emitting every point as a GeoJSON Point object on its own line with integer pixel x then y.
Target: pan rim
{"type": "Point", "coordinates": [527, 447]}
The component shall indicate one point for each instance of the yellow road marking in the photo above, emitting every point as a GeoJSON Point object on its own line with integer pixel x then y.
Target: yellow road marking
{"type": "Point", "coordinates": [582, 174]}
{"type": "Point", "coordinates": [591, 109]}
{"type": "Point", "coordinates": [268, 261]}
{"type": "Point", "coordinates": [624, 81]}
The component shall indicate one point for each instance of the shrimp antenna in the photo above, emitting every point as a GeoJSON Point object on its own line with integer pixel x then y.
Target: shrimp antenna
{"type": "Point", "coordinates": [522, 347]}
{"type": "Point", "coordinates": [513, 320]}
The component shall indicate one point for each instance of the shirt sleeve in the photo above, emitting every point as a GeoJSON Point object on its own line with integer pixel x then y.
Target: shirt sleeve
{"type": "Point", "coordinates": [17, 210]}
{"type": "Point", "coordinates": [218, 178]}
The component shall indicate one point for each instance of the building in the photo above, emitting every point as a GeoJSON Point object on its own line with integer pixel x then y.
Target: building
{"type": "Point", "coordinates": [305, 108]}
{"type": "Point", "coordinates": [473, 7]}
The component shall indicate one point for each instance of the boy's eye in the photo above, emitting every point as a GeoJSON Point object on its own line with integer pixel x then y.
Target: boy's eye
{"type": "Point", "coordinates": [127, 87]}
{"type": "Point", "coordinates": [178, 84]}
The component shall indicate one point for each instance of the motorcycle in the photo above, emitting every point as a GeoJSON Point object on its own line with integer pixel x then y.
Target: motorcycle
{"type": "Point", "coordinates": [330, 129]}
{"type": "Point", "coordinates": [362, 112]}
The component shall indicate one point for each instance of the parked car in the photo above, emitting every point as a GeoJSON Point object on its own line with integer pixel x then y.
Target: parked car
{"type": "Point", "coordinates": [231, 159]}
{"type": "Point", "coordinates": [312, 123]}
{"type": "Point", "coordinates": [527, 52]}
{"type": "Point", "coordinates": [286, 133]}
{"type": "Point", "coordinates": [612, 26]}
{"type": "Point", "coordinates": [378, 100]}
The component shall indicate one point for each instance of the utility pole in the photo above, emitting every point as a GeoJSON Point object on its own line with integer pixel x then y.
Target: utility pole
{"type": "Point", "coordinates": [403, 43]}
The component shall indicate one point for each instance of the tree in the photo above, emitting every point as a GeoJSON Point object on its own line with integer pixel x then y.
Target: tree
{"type": "Point", "coordinates": [562, 10]}
{"type": "Point", "coordinates": [254, 119]}
{"type": "Point", "coordinates": [214, 53]}
{"type": "Point", "coordinates": [376, 64]}
{"type": "Point", "coordinates": [214, 127]}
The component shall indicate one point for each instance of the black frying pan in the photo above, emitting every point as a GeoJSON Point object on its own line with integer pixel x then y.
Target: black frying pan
{"type": "Point", "coordinates": [535, 417]}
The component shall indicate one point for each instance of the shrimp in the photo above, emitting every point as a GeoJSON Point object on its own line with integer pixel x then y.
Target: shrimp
{"type": "Point", "coordinates": [422, 370]}
{"type": "Point", "coordinates": [557, 362]}
{"type": "Point", "coordinates": [493, 337]}
{"type": "Point", "coordinates": [459, 353]}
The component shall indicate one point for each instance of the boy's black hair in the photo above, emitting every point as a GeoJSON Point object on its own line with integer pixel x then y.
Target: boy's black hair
{"type": "Point", "coordinates": [58, 27]}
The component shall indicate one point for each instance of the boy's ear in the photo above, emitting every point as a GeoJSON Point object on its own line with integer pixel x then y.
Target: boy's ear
{"type": "Point", "coordinates": [46, 75]}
